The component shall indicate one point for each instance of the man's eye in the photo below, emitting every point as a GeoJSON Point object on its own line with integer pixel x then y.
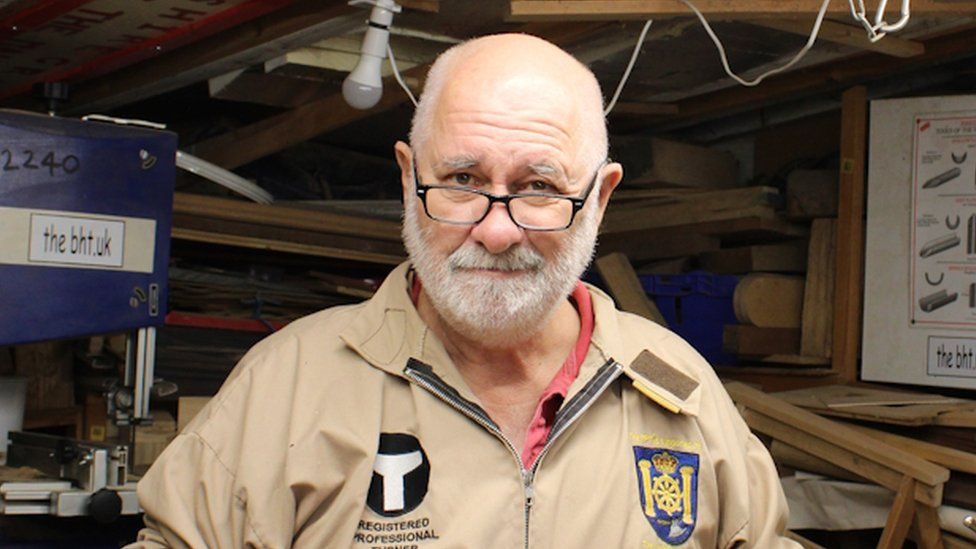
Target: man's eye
{"type": "Point", "coordinates": [540, 187]}
{"type": "Point", "coordinates": [462, 178]}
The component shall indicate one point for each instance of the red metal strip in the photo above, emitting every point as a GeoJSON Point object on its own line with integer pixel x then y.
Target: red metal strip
{"type": "Point", "coordinates": [191, 320]}
{"type": "Point", "coordinates": [154, 46]}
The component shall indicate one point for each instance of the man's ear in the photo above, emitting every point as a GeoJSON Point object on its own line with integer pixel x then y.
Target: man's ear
{"type": "Point", "coordinates": [404, 158]}
{"type": "Point", "coordinates": [613, 173]}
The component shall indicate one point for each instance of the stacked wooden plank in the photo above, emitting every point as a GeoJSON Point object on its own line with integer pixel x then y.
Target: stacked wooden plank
{"type": "Point", "coordinates": [937, 429]}
{"type": "Point", "coordinates": [639, 220]}
{"type": "Point", "coordinates": [226, 293]}
{"type": "Point", "coordinates": [286, 229]}
{"type": "Point", "coordinates": [682, 211]}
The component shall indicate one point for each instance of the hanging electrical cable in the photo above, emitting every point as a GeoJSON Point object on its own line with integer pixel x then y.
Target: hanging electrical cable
{"type": "Point", "coordinates": [725, 60]}
{"type": "Point", "coordinates": [876, 31]}
{"type": "Point", "coordinates": [396, 74]}
{"type": "Point", "coordinates": [630, 66]}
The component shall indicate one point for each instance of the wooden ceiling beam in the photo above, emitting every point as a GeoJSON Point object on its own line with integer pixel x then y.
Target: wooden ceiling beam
{"type": "Point", "coordinates": [430, 6]}
{"type": "Point", "coordinates": [593, 10]}
{"type": "Point", "coordinates": [284, 130]}
{"type": "Point", "coordinates": [847, 35]}
{"type": "Point", "coordinates": [253, 42]}
{"type": "Point", "coordinates": [825, 78]}
{"type": "Point", "coordinates": [644, 109]}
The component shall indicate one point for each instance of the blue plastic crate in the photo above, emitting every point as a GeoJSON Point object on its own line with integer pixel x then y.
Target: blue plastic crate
{"type": "Point", "coordinates": [697, 306]}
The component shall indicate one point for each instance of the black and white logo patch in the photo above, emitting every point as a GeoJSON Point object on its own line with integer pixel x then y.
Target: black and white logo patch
{"type": "Point", "coordinates": [400, 475]}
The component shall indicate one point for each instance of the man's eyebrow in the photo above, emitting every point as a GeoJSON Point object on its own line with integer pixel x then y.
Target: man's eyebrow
{"type": "Point", "coordinates": [546, 168]}
{"type": "Point", "coordinates": [457, 163]}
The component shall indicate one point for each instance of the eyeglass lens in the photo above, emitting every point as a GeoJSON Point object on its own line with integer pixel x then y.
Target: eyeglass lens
{"type": "Point", "coordinates": [463, 206]}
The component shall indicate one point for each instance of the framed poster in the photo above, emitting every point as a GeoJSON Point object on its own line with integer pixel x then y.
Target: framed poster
{"type": "Point", "coordinates": [920, 261]}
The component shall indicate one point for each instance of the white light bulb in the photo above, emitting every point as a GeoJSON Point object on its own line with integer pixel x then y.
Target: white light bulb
{"type": "Point", "coordinates": [363, 87]}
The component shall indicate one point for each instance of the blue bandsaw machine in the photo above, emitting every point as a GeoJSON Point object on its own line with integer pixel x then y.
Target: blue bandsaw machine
{"type": "Point", "coordinates": [85, 218]}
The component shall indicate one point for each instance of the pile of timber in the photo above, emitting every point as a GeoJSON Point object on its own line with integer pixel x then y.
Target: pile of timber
{"type": "Point", "coordinates": [895, 439]}
{"type": "Point", "coordinates": [659, 224]}
{"type": "Point", "coordinates": [290, 229]}
{"type": "Point", "coordinates": [684, 213]}
{"type": "Point", "coordinates": [224, 293]}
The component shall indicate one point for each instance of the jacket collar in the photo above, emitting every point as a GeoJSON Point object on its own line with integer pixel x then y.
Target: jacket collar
{"type": "Point", "coordinates": [388, 331]}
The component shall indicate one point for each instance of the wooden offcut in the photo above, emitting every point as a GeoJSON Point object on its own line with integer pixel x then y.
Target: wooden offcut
{"type": "Point", "coordinates": [693, 208]}
{"type": "Point", "coordinates": [674, 266]}
{"type": "Point", "coordinates": [662, 162]}
{"type": "Point", "coordinates": [926, 527]}
{"type": "Point", "coordinates": [900, 517]}
{"type": "Point", "coordinates": [151, 440]}
{"type": "Point", "coordinates": [811, 194]}
{"type": "Point", "coordinates": [834, 442]}
{"type": "Point", "coordinates": [790, 456]}
{"type": "Point", "coordinates": [656, 247]}
{"type": "Point", "coordinates": [748, 226]}
{"type": "Point", "coordinates": [49, 369]}
{"type": "Point", "coordinates": [747, 340]}
{"type": "Point", "coordinates": [769, 300]}
{"type": "Point", "coordinates": [621, 281]}
{"type": "Point", "coordinates": [818, 294]}
{"type": "Point", "coordinates": [786, 257]}
{"type": "Point", "coordinates": [878, 405]}
{"type": "Point", "coordinates": [950, 458]}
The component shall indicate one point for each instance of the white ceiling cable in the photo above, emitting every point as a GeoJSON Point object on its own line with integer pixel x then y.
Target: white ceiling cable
{"type": "Point", "coordinates": [876, 31]}
{"type": "Point", "coordinates": [396, 74]}
{"type": "Point", "coordinates": [630, 66]}
{"type": "Point", "coordinates": [223, 177]}
{"type": "Point", "coordinates": [761, 77]}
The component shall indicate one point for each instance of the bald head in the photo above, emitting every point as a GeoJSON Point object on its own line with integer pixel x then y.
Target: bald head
{"type": "Point", "coordinates": [517, 74]}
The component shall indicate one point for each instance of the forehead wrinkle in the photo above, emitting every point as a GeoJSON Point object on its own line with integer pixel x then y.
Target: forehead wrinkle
{"type": "Point", "coordinates": [504, 120]}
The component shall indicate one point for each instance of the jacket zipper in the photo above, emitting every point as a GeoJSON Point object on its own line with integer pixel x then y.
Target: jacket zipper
{"type": "Point", "coordinates": [607, 374]}
{"type": "Point", "coordinates": [433, 384]}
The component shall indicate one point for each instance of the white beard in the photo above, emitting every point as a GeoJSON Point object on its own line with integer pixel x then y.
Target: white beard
{"type": "Point", "coordinates": [499, 310]}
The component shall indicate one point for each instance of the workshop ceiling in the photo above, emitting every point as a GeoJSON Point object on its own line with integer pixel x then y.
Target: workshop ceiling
{"type": "Point", "coordinates": [243, 80]}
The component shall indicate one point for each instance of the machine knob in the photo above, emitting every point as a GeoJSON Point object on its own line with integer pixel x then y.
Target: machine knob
{"type": "Point", "coordinates": [105, 506]}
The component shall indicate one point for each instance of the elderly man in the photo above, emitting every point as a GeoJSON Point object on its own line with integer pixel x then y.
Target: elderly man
{"type": "Point", "coordinates": [484, 397]}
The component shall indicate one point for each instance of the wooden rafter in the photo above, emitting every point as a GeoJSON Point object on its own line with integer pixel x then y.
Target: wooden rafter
{"type": "Point", "coordinates": [638, 108]}
{"type": "Point", "coordinates": [432, 6]}
{"type": "Point", "coordinates": [563, 10]}
{"type": "Point", "coordinates": [236, 48]}
{"type": "Point", "coordinates": [847, 35]}
{"type": "Point", "coordinates": [825, 78]}
{"type": "Point", "coordinates": [279, 132]}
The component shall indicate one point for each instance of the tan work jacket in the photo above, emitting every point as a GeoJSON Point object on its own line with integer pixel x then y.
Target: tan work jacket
{"type": "Point", "coordinates": [352, 428]}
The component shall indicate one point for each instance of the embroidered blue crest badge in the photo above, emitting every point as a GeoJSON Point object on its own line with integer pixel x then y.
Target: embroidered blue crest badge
{"type": "Point", "coordinates": [668, 485]}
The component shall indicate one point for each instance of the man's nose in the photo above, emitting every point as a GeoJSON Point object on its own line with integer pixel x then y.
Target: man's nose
{"type": "Point", "coordinates": [497, 232]}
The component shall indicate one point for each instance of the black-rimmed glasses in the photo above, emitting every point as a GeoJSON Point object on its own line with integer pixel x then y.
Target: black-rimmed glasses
{"type": "Point", "coordinates": [459, 205]}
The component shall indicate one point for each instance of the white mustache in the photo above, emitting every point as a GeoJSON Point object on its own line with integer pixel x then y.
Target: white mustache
{"type": "Point", "coordinates": [520, 258]}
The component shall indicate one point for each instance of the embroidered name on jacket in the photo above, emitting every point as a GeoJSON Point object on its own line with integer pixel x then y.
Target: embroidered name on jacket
{"type": "Point", "coordinates": [400, 475]}
{"type": "Point", "coordinates": [668, 484]}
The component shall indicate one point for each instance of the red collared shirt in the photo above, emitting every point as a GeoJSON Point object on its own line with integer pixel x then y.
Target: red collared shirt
{"type": "Point", "coordinates": [553, 396]}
